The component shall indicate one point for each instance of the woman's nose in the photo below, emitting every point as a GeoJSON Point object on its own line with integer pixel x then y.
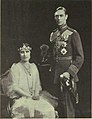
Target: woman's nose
{"type": "Point", "coordinates": [25, 53]}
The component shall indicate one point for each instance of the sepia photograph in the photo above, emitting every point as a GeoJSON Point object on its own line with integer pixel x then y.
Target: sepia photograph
{"type": "Point", "coordinates": [45, 59]}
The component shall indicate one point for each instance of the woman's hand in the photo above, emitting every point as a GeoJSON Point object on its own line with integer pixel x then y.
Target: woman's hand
{"type": "Point", "coordinates": [36, 97]}
{"type": "Point", "coordinates": [21, 92]}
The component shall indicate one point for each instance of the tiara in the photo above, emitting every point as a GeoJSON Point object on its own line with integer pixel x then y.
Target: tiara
{"type": "Point", "coordinates": [25, 47]}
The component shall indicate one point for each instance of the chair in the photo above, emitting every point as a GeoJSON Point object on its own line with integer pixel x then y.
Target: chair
{"type": "Point", "coordinates": [4, 98]}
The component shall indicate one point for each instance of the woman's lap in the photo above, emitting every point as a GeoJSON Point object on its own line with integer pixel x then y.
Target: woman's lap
{"type": "Point", "coordinates": [26, 107]}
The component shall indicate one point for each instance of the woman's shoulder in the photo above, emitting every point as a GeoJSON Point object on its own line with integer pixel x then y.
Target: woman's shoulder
{"type": "Point", "coordinates": [33, 64]}
{"type": "Point", "coordinates": [15, 65]}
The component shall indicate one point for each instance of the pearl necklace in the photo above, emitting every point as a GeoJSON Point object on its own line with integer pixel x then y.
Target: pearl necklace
{"type": "Point", "coordinates": [27, 68]}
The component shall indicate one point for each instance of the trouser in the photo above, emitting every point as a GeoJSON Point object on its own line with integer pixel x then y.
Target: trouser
{"type": "Point", "coordinates": [67, 106]}
{"type": "Point", "coordinates": [66, 102]}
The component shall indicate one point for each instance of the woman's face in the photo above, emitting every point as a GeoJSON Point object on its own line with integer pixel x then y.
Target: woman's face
{"type": "Point", "coordinates": [25, 55]}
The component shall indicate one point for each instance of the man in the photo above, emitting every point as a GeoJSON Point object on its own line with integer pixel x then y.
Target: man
{"type": "Point", "coordinates": [68, 58]}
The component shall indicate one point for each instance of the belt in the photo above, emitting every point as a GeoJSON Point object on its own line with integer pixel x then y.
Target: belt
{"type": "Point", "coordinates": [58, 59]}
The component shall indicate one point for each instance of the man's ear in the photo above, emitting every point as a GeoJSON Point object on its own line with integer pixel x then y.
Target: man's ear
{"type": "Point", "coordinates": [66, 16]}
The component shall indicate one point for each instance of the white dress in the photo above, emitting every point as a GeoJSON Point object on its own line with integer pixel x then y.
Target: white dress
{"type": "Point", "coordinates": [28, 81]}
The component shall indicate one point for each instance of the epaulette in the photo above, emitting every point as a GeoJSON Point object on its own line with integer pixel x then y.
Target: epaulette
{"type": "Point", "coordinates": [66, 34]}
{"type": "Point", "coordinates": [71, 29]}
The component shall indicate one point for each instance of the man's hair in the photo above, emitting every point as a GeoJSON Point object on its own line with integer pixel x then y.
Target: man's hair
{"type": "Point", "coordinates": [60, 8]}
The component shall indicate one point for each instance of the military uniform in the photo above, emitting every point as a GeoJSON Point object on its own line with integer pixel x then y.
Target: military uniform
{"type": "Point", "coordinates": [68, 57]}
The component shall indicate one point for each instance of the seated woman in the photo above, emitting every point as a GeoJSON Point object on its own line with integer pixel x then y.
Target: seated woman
{"type": "Point", "coordinates": [24, 89]}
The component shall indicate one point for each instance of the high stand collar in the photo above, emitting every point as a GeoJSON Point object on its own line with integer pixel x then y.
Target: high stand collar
{"type": "Point", "coordinates": [62, 28]}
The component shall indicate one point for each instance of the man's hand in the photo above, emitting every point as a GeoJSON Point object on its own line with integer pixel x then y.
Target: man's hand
{"type": "Point", "coordinates": [66, 75]}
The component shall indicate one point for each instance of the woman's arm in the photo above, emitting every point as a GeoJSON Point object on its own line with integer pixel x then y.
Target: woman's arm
{"type": "Point", "coordinates": [20, 92]}
{"type": "Point", "coordinates": [13, 85]}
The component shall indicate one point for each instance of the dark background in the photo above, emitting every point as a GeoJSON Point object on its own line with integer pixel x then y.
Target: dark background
{"type": "Point", "coordinates": [32, 21]}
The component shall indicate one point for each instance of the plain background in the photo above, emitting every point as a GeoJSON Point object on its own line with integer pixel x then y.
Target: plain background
{"type": "Point", "coordinates": [32, 21]}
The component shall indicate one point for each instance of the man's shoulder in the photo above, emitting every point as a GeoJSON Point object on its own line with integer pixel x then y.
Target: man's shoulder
{"type": "Point", "coordinates": [54, 34]}
{"type": "Point", "coordinates": [71, 29]}
{"type": "Point", "coordinates": [67, 32]}
{"type": "Point", "coordinates": [54, 31]}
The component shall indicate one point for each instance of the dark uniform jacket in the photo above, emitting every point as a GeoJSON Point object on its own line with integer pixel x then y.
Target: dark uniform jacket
{"type": "Point", "coordinates": [67, 51]}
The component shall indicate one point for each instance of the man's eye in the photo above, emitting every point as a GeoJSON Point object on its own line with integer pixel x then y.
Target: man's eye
{"type": "Point", "coordinates": [27, 51]}
{"type": "Point", "coordinates": [61, 15]}
{"type": "Point", "coordinates": [58, 15]}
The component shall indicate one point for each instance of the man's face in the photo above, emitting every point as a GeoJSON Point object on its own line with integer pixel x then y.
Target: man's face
{"type": "Point", "coordinates": [25, 55]}
{"type": "Point", "coordinates": [60, 17]}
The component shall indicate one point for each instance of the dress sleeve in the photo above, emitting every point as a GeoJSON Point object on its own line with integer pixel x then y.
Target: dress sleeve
{"type": "Point", "coordinates": [78, 55]}
{"type": "Point", "coordinates": [36, 80]}
{"type": "Point", "coordinates": [13, 78]}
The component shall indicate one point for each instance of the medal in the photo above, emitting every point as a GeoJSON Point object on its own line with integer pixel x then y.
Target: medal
{"type": "Point", "coordinates": [63, 51]}
{"type": "Point", "coordinates": [64, 44]}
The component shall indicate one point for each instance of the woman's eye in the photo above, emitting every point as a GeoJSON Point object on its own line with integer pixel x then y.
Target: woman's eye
{"type": "Point", "coordinates": [22, 52]}
{"type": "Point", "coordinates": [56, 16]}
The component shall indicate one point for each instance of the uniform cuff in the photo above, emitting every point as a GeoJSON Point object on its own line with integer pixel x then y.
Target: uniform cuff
{"type": "Point", "coordinates": [73, 70]}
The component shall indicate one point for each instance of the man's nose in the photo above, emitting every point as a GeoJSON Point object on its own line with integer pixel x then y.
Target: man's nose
{"type": "Point", "coordinates": [58, 17]}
